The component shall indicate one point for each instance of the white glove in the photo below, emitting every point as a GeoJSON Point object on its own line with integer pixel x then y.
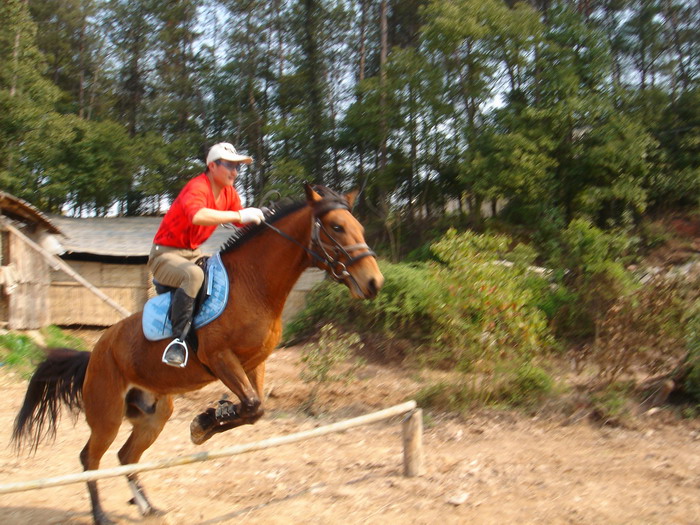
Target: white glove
{"type": "Point", "coordinates": [251, 215]}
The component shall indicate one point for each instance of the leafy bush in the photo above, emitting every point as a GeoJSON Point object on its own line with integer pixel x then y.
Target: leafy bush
{"type": "Point", "coordinates": [55, 337]}
{"type": "Point", "coordinates": [400, 311]}
{"type": "Point", "coordinates": [611, 405]}
{"type": "Point", "coordinates": [485, 312]}
{"type": "Point", "coordinates": [20, 352]}
{"type": "Point", "coordinates": [691, 382]}
{"type": "Point", "coordinates": [590, 271]}
{"type": "Point", "coordinates": [642, 332]}
{"type": "Point", "coordinates": [323, 361]}
{"type": "Point", "coordinates": [476, 307]}
{"type": "Point", "coordinates": [514, 385]}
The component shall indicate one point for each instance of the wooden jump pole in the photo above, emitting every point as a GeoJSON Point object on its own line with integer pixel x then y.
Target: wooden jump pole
{"type": "Point", "coordinates": [91, 475]}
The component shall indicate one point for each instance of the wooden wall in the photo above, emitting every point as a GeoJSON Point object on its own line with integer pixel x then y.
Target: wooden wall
{"type": "Point", "coordinates": [129, 285]}
{"type": "Point", "coordinates": [4, 260]}
{"type": "Point", "coordinates": [28, 305]}
{"type": "Point", "coordinates": [297, 298]}
{"type": "Point", "coordinates": [73, 304]}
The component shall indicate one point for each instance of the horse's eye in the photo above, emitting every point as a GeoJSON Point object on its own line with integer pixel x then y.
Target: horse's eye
{"type": "Point", "coordinates": [337, 228]}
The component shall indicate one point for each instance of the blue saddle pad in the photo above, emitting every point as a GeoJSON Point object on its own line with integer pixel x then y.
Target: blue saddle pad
{"type": "Point", "coordinates": [156, 322]}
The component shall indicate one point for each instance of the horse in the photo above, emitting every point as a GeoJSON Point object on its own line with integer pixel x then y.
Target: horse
{"type": "Point", "coordinates": [123, 376]}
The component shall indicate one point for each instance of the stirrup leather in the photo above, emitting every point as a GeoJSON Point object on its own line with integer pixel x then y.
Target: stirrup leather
{"type": "Point", "coordinates": [176, 341]}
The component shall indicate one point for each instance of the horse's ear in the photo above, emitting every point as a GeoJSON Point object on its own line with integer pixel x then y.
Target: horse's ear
{"type": "Point", "coordinates": [311, 195]}
{"type": "Point", "coordinates": [350, 197]}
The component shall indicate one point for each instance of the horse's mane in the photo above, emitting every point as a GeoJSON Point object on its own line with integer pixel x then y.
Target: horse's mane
{"type": "Point", "coordinates": [273, 213]}
{"type": "Point", "coordinates": [331, 199]}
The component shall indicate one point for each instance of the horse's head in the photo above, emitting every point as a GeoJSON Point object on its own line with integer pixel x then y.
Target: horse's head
{"type": "Point", "coordinates": [339, 238]}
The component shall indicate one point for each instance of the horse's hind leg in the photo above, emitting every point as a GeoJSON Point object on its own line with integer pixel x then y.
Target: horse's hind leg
{"type": "Point", "coordinates": [103, 431]}
{"type": "Point", "coordinates": [148, 421]}
{"type": "Point", "coordinates": [103, 395]}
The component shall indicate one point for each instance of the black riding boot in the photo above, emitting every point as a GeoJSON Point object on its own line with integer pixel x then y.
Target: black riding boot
{"type": "Point", "coordinates": [181, 310]}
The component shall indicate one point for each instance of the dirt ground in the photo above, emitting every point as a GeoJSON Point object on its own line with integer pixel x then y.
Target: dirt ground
{"type": "Point", "coordinates": [488, 468]}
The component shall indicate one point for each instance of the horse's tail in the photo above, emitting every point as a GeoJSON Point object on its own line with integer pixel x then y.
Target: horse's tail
{"type": "Point", "coordinates": [58, 379]}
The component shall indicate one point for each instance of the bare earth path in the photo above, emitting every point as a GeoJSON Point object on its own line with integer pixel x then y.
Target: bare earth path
{"type": "Point", "coordinates": [498, 469]}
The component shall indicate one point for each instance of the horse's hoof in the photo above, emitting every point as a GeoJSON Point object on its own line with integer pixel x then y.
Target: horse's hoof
{"type": "Point", "coordinates": [202, 426]}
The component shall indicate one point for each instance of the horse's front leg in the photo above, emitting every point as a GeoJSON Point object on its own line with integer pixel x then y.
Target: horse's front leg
{"type": "Point", "coordinates": [248, 387]}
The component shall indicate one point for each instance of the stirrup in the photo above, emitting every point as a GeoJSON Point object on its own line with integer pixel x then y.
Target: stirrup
{"type": "Point", "coordinates": [177, 342]}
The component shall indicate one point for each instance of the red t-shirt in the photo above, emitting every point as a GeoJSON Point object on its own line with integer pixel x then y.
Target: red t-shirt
{"type": "Point", "coordinates": [177, 230]}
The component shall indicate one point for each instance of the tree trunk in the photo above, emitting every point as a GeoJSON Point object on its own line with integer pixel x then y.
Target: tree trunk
{"type": "Point", "coordinates": [360, 79]}
{"type": "Point", "coordinates": [382, 83]}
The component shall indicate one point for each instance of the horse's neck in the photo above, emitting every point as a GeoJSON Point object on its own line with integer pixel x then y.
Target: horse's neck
{"type": "Point", "coordinates": [272, 264]}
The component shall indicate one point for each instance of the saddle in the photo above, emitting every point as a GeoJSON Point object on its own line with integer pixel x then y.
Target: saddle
{"type": "Point", "coordinates": [211, 301]}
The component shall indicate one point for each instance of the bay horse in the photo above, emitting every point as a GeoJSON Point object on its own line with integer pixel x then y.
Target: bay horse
{"type": "Point", "coordinates": [124, 377]}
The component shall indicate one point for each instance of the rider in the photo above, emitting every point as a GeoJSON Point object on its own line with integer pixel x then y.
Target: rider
{"type": "Point", "coordinates": [205, 202]}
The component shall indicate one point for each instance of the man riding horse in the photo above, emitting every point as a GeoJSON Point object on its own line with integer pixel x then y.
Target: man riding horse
{"type": "Point", "coordinates": [207, 201]}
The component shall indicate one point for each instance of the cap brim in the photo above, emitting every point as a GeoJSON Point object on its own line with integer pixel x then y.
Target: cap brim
{"type": "Point", "coordinates": [237, 158]}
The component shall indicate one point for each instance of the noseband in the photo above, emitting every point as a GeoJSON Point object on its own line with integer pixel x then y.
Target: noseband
{"type": "Point", "coordinates": [330, 255]}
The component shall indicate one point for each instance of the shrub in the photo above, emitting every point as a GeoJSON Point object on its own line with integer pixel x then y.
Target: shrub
{"type": "Point", "coordinates": [642, 332]}
{"type": "Point", "coordinates": [590, 270]}
{"type": "Point", "coordinates": [20, 352]}
{"type": "Point", "coordinates": [55, 337]}
{"type": "Point", "coordinates": [691, 382]}
{"type": "Point", "coordinates": [400, 311]}
{"type": "Point", "coordinates": [512, 385]}
{"type": "Point", "coordinates": [485, 311]}
{"type": "Point", "coordinates": [611, 405]}
{"type": "Point", "coordinates": [323, 361]}
{"type": "Point", "coordinates": [475, 307]}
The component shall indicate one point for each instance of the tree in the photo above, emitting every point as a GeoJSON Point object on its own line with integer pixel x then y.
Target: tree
{"type": "Point", "coordinates": [73, 47]}
{"type": "Point", "coordinates": [27, 100]}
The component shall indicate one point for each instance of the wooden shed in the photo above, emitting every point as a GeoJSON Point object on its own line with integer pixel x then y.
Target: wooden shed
{"type": "Point", "coordinates": [111, 253]}
{"type": "Point", "coordinates": [25, 233]}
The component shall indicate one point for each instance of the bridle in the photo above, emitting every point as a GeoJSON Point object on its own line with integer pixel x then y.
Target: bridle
{"type": "Point", "coordinates": [330, 256]}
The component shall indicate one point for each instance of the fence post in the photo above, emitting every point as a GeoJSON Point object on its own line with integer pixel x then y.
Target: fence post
{"type": "Point", "coordinates": [413, 444]}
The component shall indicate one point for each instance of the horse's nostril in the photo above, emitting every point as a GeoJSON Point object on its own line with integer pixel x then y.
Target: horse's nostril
{"type": "Point", "coordinates": [372, 287]}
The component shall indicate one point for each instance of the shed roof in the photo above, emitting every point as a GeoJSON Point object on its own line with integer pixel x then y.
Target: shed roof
{"type": "Point", "coordinates": [19, 209]}
{"type": "Point", "coordinates": [119, 236]}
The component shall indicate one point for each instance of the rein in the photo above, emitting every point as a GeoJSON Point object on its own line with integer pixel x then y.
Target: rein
{"type": "Point", "coordinates": [335, 267]}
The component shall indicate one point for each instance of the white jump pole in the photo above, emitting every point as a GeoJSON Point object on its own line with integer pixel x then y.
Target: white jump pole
{"type": "Point", "coordinates": [415, 455]}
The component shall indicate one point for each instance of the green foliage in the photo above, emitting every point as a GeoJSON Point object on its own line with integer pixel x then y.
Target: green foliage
{"type": "Point", "coordinates": [611, 405]}
{"type": "Point", "coordinates": [592, 275]}
{"type": "Point", "coordinates": [691, 382]}
{"type": "Point", "coordinates": [326, 361]}
{"type": "Point", "coordinates": [642, 332]}
{"type": "Point", "coordinates": [473, 310]}
{"type": "Point", "coordinates": [20, 352]}
{"type": "Point", "coordinates": [399, 311]}
{"type": "Point", "coordinates": [485, 308]}
{"type": "Point", "coordinates": [512, 385]}
{"type": "Point", "coordinates": [55, 337]}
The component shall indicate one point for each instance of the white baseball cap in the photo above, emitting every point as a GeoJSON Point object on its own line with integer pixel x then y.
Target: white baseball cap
{"type": "Point", "coordinates": [226, 151]}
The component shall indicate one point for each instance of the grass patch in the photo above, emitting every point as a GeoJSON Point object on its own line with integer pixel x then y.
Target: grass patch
{"type": "Point", "coordinates": [611, 405]}
{"type": "Point", "coordinates": [55, 337]}
{"type": "Point", "coordinates": [522, 386]}
{"type": "Point", "coordinates": [21, 353]}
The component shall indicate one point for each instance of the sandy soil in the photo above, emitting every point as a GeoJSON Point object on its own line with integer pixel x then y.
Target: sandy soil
{"type": "Point", "coordinates": [488, 468]}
